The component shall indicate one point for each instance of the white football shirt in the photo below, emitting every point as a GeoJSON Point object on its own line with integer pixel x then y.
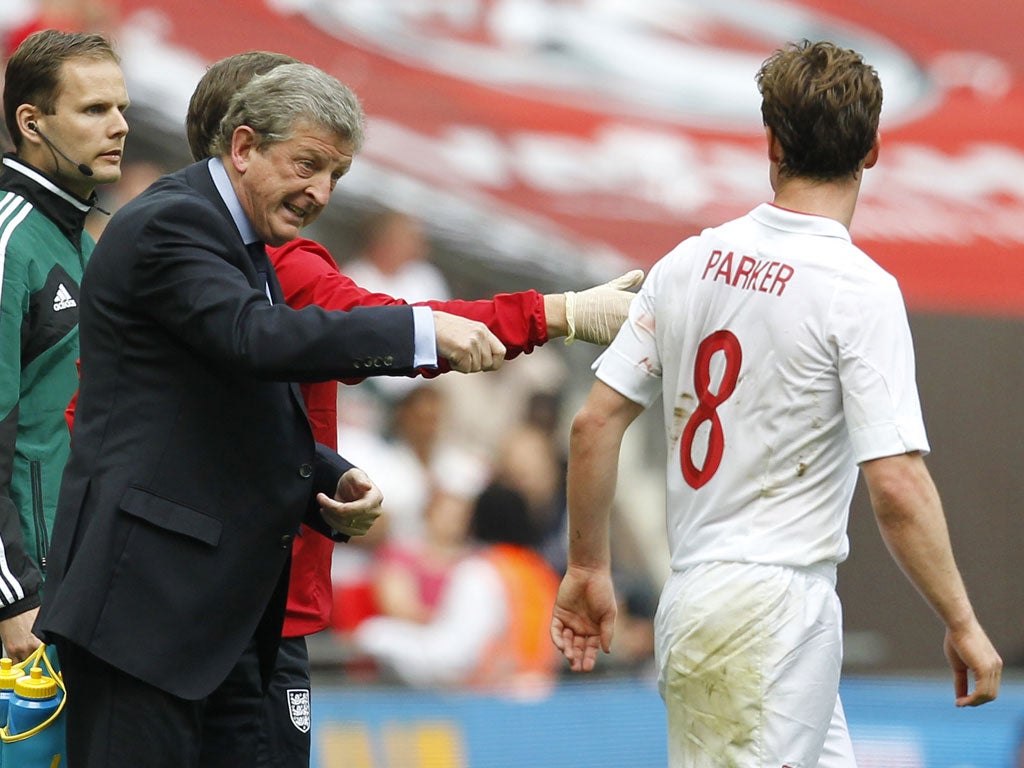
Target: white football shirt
{"type": "Point", "coordinates": [784, 358]}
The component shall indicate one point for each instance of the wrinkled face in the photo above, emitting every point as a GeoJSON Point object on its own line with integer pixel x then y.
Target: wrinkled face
{"type": "Point", "coordinates": [285, 186]}
{"type": "Point", "coordinates": [88, 125]}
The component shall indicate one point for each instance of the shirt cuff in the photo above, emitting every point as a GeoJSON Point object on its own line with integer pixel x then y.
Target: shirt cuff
{"type": "Point", "coordinates": [630, 380]}
{"type": "Point", "coordinates": [425, 355]}
{"type": "Point", "coordinates": [886, 439]}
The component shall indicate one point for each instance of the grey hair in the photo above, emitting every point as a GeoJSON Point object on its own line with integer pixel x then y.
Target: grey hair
{"type": "Point", "coordinates": [271, 104]}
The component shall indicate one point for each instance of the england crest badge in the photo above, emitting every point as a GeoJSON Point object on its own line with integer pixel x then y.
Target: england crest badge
{"type": "Point", "coordinates": [298, 708]}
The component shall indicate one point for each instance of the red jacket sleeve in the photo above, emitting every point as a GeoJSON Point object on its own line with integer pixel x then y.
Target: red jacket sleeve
{"type": "Point", "coordinates": [309, 276]}
{"type": "Point", "coordinates": [69, 412]}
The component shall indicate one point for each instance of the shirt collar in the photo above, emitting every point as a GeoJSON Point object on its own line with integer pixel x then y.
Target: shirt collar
{"type": "Point", "coordinates": [66, 209]}
{"type": "Point", "coordinates": [772, 215]}
{"type": "Point", "coordinates": [230, 198]}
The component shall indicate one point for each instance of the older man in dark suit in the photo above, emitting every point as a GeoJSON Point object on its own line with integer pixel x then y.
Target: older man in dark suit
{"type": "Point", "coordinates": [193, 463]}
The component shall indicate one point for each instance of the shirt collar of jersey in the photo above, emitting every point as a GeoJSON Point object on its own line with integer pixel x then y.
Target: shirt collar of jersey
{"type": "Point", "coordinates": [65, 209]}
{"type": "Point", "coordinates": [227, 194]}
{"type": "Point", "coordinates": [799, 223]}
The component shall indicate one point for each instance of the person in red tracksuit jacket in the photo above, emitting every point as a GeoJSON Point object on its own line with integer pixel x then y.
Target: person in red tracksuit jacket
{"type": "Point", "coordinates": [309, 276]}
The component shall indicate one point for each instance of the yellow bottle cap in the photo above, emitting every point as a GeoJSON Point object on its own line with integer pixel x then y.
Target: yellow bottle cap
{"type": "Point", "coordinates": [35, 686]}
{"type": "Point", "coordinates": [9, 674]}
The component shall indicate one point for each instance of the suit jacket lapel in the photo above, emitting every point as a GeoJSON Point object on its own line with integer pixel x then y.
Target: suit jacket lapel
{"type": "Point", "coordinates": [258, 253]}
{"type": "Point", "coordinates": [198, 177]}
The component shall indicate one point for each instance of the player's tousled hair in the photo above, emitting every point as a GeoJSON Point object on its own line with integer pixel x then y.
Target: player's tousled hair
{"type": "Point", "coordinates": [34, 70]}
{"type": "Point", "coordinates": [210, 100]}
{"type": "Point", "coordinates": [823, 104]}
{"type": "Point", "coordinates": [272, 105]}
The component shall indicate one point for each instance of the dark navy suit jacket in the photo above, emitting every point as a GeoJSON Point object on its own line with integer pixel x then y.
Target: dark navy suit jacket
{"type": "Point", "coordinates": [193, 464]}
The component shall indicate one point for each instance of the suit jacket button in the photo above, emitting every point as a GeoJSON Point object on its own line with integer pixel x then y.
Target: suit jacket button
{"type": "Point", "coordinates": [389, 360]}
{"type": "Point", "coordinates": [305, 471]}
{"type": "Point", "coordinates": [286, 541]}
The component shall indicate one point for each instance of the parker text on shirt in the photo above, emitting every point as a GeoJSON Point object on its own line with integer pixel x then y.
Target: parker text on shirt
{"type": "Point", "coordinates": [748, 273]}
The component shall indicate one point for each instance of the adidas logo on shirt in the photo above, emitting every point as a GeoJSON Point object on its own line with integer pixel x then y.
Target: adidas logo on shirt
{"type": "Point", "coordinates": [63, 299]}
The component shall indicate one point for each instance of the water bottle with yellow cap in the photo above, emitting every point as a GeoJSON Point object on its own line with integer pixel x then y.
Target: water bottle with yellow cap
{"type": "Point", "coordinates": [9, 674]}
{"type": "Point", "coordinates": [33, 735]}
{"type": "Point", "coordinates": [35, 699]}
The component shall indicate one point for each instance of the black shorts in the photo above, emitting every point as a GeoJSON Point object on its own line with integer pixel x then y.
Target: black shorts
{"type": "Point", "coordinates": [284, 740]}
{"type": "Point", "coordinates": [113, 718]}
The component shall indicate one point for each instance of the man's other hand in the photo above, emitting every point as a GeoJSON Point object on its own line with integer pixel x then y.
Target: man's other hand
{"type": "Point", "coordinates": [355, 506]}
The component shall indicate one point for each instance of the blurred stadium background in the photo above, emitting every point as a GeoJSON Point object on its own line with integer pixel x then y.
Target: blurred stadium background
{"type": "Point", "coordinates": [551, 143]}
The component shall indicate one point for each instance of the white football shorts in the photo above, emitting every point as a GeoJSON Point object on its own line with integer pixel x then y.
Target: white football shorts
{"type": "Point", "coordinates": [748, 658]}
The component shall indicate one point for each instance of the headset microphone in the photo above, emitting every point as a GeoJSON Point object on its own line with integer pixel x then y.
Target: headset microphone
{"type": "Point", "coordinates": [83, 169]}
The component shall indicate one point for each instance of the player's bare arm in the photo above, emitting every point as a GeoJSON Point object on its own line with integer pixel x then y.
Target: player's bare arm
{"type": "Point", "coordinates": [584, 613]}
{"type": "Point", "coordinates": [913, 525]}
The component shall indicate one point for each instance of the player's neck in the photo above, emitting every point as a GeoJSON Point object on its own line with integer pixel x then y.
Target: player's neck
{"type": "Point", "coordinates": [832, 199]}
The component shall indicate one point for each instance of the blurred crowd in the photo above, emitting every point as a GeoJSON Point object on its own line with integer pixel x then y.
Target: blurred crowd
{"type": "Point", "coordinates": [65, 15]}
{"type": "Point", "coordinates": [456, 586]}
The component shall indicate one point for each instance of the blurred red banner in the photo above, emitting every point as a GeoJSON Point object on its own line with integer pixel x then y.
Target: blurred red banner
{"type": "Point", "coordinates": [622, 130]}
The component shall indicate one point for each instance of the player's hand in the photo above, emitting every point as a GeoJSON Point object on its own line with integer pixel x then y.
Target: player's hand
{"type": "Point", "coordinates": [583, 619]}
{"type": "Point", "coordinates": [467, 345]}
{"type": "Point", "coordinates": [355, 506]}
{"type": "Point", "coordinates": [596, 314]}
{"type": "Point", "coordinates": [971, 651]}
{"type": "Point", "coordinates": [17, 637]}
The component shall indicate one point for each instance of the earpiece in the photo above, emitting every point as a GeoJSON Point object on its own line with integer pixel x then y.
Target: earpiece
{"type": "Point", "coordinates": [83, 169]}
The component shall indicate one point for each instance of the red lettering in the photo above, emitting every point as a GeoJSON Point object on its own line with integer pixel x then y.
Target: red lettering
{"type": "Point", "coordinates": [725, 268]}
{"type": "Point", "coordinates": [748, 273]}
{"type": "Point", "coordinates": [755, 274]}
{"type": "Point", "coordinates": [769, 273]}
{"type": "Point", "coordinates": [746, 265]}
{"type": "Point", "coordinates": [785, 272]}
{"type": "Point", "coordinates": [712, 262]}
